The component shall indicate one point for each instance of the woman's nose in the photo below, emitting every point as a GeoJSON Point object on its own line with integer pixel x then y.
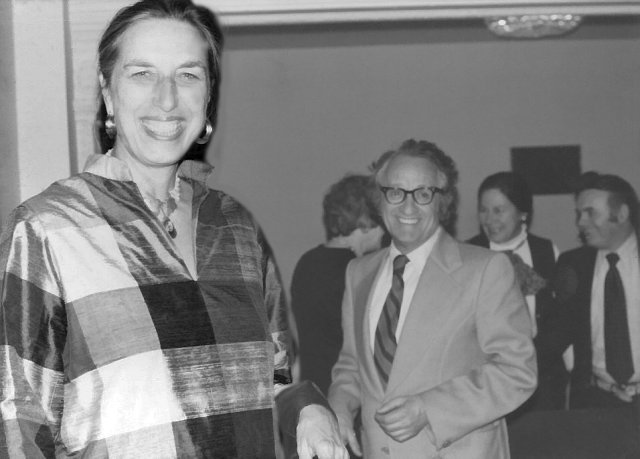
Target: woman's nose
{"type": "Point", "coordinates": [487, 217]}
{"type": "Point", "coordinates": [166, 96]}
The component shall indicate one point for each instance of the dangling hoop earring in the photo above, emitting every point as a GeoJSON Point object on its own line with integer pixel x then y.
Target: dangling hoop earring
{"type": "Point", "coordinates": [110, 127]}
{"type": "Point", "coordinates": [208, 130]}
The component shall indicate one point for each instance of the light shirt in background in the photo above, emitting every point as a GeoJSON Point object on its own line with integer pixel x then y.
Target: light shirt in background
{"type": "Point", "coordinates": [629, 269]}
{"type": "Point", "coordinates": [411, 276]}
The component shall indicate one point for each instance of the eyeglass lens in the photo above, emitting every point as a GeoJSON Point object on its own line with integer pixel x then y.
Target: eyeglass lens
{"type": "Point", "coordinates": [421, 196]}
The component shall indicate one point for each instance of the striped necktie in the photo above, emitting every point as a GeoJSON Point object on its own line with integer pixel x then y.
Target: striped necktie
{"type": "Point", "coordinates": [617, 343]}
{"type": "Point", "coordinates": [385, 341]}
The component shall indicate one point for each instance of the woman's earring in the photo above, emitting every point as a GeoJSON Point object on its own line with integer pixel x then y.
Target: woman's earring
{"type": "Point", "coordinates": [208, 130]}
{"type": "Point", "coordinates": [110, 127]}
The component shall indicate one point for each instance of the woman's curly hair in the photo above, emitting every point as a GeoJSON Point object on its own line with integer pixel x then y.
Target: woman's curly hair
{"type": "Point", "coordinates": [348, 205]}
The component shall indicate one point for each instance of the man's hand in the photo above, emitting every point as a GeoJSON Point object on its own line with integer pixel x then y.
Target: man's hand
{"type": "Point", "coordinates": [348, 435]}
{"type": "Point", "coordinates": [621, 394]}
{"type": "Point", "coordinates": [318, 434]}
{"type": "Point", "coordinates": [402, 417]}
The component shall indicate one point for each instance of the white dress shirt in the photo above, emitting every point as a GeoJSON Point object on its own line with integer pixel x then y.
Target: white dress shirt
{"type": "Point", "coordinates": [411, 276]}
{"type": "Point", "coordinates": [629, 268]}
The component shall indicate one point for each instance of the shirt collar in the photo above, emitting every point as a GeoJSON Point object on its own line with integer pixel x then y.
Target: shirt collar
{"type": "Point", "coordinates": [110, 167]}
{"type": "Point", "coordinates": [420, 254]}
{"type": "Point", "coordinates": [513, 244]}
{"type": "Point", "coordinates": [629, 248]}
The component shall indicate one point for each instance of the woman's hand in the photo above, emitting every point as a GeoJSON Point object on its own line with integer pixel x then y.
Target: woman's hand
{"type": "Point", "coordinates": [318, 434]}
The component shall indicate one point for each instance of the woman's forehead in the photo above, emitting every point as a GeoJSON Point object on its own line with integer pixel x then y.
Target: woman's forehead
{"type": "Point", "coordinates": [163, 39]}
{"type": "Point", "coordinates": [494, 195]}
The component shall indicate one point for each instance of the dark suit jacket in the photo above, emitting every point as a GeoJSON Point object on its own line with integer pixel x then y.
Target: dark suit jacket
{"type": "Point", "coordinates": [544, 264]}
{"type": "Point", "coordinates": [572, 284]}
{"type": "Point", "coordinates": [552, 375]}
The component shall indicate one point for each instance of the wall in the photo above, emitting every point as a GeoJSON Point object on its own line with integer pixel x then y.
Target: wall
{"type": "Point", "coordinates": [33, 99]}
{"type": "Point", "coordinates": [9, 192]}
{"type": "Point", "coordinates": [302, 108]}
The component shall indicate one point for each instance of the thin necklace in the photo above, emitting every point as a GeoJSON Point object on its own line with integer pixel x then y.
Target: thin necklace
{"type": "Point", "coordinates": [163, 208]}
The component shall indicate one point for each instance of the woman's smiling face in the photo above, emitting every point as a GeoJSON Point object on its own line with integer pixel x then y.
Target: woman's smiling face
{"type": "Point", "coordinates": [158, 92]}
{"type": "Point", "coordinates": [499, 218]}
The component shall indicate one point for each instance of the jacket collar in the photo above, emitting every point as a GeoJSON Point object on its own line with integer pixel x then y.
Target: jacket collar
{"type": "Point", "coordinates": [110, 167]}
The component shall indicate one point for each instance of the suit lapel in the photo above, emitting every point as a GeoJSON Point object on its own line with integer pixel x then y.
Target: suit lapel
{"type": "Point", "coordinates": [363, 298]}
{"type": "Point", "coordinates": [586, 269]}
{"type": "Point", "coordinates": [431, 299]}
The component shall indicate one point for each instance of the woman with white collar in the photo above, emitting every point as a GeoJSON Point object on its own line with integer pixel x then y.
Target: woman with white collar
{"type": "Point", "coordinates": [505, 210]}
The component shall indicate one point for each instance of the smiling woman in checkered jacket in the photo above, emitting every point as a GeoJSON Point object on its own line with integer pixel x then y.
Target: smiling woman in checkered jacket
{"type": "Point", "coordinates": [142, 315]}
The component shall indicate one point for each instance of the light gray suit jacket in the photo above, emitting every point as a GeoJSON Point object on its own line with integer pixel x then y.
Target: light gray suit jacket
{"type": "Point", "coordinates": [465, 348]}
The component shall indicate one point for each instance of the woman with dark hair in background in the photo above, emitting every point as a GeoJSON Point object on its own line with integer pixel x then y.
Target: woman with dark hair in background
{"type": "Point", "coordinates": [142, 314]}
{"type": "Point", "coordinates": [505, 212]}
{"type": "Point", "coordinates": [352, 229]}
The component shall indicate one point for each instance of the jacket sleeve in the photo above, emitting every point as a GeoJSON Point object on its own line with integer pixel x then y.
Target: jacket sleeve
{"type": "Point", "coordinates": [557, 335]}
{"type": "Point", "coordinates": [32, 337]}
{"type": "Point", "coordinates": [344, 392]}
{"type": "Point", "coordinates": [291, 398]}
{"type": "Point", "coordinates": [566, 286]}
{"type": "Point", "coordinates": [275, 304]}
{"type": "Point", "coordinates": [505, 378]}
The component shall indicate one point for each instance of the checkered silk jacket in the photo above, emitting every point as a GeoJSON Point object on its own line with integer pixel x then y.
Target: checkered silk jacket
{"type": "Point", "coordinates": [110, 348]}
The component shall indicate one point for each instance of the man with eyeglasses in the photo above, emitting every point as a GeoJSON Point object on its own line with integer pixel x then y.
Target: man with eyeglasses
{"type": "Point", "coordinates": [437, 340]}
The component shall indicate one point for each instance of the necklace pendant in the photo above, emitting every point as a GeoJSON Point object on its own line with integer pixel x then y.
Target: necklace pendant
{"type": "Point", "coordinates": [171, 229]}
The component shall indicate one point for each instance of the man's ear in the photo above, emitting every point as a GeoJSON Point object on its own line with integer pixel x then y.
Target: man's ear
{"type": "Point", "coordinates": [623, 213]}
{"type": "Point", "coordinates": [106, 94]}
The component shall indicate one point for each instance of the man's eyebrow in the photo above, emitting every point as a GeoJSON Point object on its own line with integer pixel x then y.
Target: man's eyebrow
{"type": "Point", "coordinates": [193, 64]}
{"type": "Point", "coordinates": [138, 63]}
{"type": "Point", "coordinates": [143, 63]}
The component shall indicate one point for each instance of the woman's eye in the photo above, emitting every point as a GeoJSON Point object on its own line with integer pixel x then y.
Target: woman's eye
{"type": "Point", "coordinates": [141, 74]}
{"type": "Point", "coordinates": [190, 76]}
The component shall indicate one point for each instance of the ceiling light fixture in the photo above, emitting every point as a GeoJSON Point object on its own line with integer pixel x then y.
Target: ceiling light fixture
{"type": "Point", "coordinates": [533, 25]}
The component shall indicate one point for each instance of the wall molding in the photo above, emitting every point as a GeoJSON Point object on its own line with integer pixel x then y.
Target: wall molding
{"type": "Point", "coordinates": [281, 12]}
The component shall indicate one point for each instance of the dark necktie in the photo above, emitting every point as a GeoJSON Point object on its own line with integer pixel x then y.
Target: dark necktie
{"type": "Point", "coordinates": [617, 344]}
{"type": "Point", "coordinates": [385, 341]}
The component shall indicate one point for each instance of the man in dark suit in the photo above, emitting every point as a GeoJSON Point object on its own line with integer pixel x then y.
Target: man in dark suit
{"type": "Point", "coordinates": [598, 289]}
{"type": "Point", "coordinates": [437, 338]}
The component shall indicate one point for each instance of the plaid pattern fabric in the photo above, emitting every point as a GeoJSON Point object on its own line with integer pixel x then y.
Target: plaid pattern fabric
{"type": "Point", "coordinates": [111, 349]}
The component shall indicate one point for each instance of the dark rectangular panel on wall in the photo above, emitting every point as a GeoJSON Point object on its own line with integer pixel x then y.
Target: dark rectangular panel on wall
{"type": "Point", "coordinates": [551, 169]}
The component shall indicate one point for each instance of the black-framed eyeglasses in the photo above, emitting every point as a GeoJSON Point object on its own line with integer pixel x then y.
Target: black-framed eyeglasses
{"type": "Point", "coordinates": [421, 196]}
